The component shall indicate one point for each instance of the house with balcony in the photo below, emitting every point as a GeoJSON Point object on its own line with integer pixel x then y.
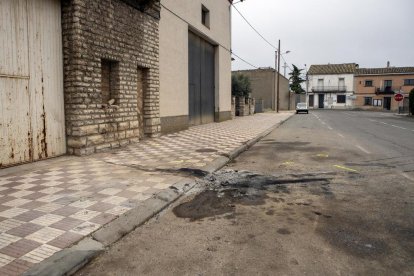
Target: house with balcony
{"type": "Point", "coordinates": [375, 87]}
{"type": "Point", "coordinates": [331, 86]}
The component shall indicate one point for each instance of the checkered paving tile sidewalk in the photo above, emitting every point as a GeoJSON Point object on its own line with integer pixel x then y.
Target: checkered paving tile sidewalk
{"type": "Point", "coordinates": [45, 210]}
{"type": "Point", "coordinates": [195, 147]}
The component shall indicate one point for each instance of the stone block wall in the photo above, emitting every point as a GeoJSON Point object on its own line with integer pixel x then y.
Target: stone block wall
{"type": "Point", "coordinates": [252, 105]}
{"type": "Point", "coordinates": [244, 106]}
{"type": "Point", "coordinates": [125, 36]}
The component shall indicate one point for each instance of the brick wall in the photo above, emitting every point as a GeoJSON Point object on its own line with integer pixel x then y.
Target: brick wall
{"type": "Point", "coordinates": [97, 32]}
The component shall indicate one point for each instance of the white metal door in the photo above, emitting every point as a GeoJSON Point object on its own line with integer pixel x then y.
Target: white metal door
{"type": "Point", "coordinates": [31, 81]}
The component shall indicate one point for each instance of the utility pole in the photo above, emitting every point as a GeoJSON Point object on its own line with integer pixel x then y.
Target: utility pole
{"type": "Point", "coordinates": [278, 77]}
{"type": "Point", "coordinates": [274, 84]}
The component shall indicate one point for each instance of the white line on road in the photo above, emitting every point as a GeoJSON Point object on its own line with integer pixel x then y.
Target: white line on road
{"type": "Point", "coordinates": [330, 128]}
{"type": "Point", "coordinates": [364, 150]}
{"type": "Point", "coordinates": [407, 176]}
{"type": "Point", "coordinates": [384, 123]}
{"type": "Point", "coordinates": [399, 127]}
{"type": "Point", "coordinates": [340, 135]}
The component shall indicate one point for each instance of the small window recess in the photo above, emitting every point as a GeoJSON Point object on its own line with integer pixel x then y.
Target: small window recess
{"type": "Point", "coordinates": [109, 79]}
{"type": "Point", "coordinates": [205, 16]}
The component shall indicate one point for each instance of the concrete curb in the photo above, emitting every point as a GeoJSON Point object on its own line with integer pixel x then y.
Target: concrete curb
{"type": "Point", "coordinates": [70, 260]}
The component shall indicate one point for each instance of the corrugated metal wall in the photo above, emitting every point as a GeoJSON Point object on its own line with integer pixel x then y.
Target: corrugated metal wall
{"type": "Point", "coordinates": [201, 80]}
{"type": "Point", "coordinates": [32, 123]}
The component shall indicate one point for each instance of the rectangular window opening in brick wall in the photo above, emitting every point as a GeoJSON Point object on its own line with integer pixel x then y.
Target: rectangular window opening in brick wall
{"type": "Point", "coordinates": [367, 100]}
{"type": "Point", "coordinates": [109, 79]}
{"type": "Point", "coordinates": [142, 90]}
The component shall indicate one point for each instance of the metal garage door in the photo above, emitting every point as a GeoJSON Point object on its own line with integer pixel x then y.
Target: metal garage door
{"type": "Point", "coordinates": [31, 81]}
{"type": "Point", "coordinates": [201, 80]}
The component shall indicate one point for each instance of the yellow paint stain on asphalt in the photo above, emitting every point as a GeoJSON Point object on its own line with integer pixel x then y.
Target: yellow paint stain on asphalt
{"type": "Point", "coordinates": [345, 168]}
{"type": "Point", "coordinates": [322, 155]}
{"type": "Point", "coordinates": [287, 163]}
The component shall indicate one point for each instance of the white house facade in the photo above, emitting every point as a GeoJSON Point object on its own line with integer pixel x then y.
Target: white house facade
{"type": "Point", "coordinates": [331, 86]}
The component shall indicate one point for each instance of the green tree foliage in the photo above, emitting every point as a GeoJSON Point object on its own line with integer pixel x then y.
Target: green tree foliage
{"type": "Point", "coordinates": [411, 104]}
{"type": "Point", "coordinates": [240, 85]}
{"type": "Point", "coordinates": [296, 80]}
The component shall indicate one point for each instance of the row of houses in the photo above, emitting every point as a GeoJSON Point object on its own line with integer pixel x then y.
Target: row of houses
{"type": "Point", "coordinates": [339, 86]}
{"type": "Point", "coordinates": [84, 76]}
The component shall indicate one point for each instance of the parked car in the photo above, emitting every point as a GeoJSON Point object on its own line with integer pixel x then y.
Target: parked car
{"type": "Point", "coordinates": [302, 107]}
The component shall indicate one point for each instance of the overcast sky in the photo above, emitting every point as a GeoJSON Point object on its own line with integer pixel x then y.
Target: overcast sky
{"type": "Point", "coordinates": [368, 32]}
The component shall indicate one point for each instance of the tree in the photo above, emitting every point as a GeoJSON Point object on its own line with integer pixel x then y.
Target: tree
{"type": "Point", "coordinates": [411, 101]}
{"type": "Point", "coordinates": [240, 85]}
{"type": "Point", "coordinates": [296, 80]}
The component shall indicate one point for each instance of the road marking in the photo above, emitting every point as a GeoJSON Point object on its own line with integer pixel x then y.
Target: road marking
{"type": "Point", "coordinates": [330, 128]}
{"type": "Point", "coordinates": [345, 168]}
{"type": "Point", "coordinates": [407, 176]}
{"type": "Point", "coordinates": [384, 123]}
{"type": "Point", "coordinates": [364, 150]}
{"type": "Point", "coordinates": [399, 127]}
{"type": "Point", "coordinates": [322, 155]}
{"type": "Point", "coordinates": [340, 135]}
{"type": "Point", "coordinates": [287, 163]}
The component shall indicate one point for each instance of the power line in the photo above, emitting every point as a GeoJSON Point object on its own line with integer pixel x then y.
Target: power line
{"type": "Point", "coordinates": [244, 60]}
{"type": "Point", "coordinates": [225, 48]}
{"type": "Point", "coordinates": [267, 41]}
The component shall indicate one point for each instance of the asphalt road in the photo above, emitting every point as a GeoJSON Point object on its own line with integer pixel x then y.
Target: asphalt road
{"type": "Point", "coordinates": [328, 193]}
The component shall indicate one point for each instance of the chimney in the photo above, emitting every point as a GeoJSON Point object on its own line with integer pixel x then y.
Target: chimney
{"type": "Point", "coordinates": [388, 64]}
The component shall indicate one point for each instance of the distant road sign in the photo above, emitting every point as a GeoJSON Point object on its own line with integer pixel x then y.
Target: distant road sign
{"type": "Point", "coordinates": [398, 97]}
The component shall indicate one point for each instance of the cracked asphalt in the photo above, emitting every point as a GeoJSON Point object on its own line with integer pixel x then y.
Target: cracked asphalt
{"type": "Point", "coordinates": [329, 193]}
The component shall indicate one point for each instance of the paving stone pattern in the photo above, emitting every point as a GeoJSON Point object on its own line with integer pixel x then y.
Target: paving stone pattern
{"type": "Point", "coordinates": [45, 210]}
{"type": "Point", "coordinates": [195, 147]}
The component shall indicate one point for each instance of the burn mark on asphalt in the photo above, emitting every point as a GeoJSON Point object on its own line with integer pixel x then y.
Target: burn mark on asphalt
{"type": "Point", "coordinates": [212, 203]}
{"type": "Point", "coordinates": [227, 189]}
{"type": "Point", "coordinates": [284, 231]}
{"type": "Point", "coordinates": [382, 165]}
